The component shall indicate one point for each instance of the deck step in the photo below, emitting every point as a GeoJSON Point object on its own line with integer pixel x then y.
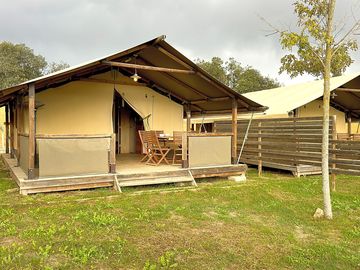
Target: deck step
{"type": "Point", "coordinates": [155, 181]}
{"type": "Point", "coordinates": [158, 175]}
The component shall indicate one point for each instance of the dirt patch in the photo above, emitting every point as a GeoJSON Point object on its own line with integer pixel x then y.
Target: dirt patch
{"type": "Point", "coordinates": [300, 234]}
{"type": "Point", "coordinates": [8, 241]}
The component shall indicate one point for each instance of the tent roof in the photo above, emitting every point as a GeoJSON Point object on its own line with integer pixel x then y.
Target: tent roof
{"type": "Point", "coordinates": [201, 91]}
{"type": "Point", "coordinates": [282, 100]}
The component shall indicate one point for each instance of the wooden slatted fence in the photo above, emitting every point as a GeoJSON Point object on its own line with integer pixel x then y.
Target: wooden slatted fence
{"type": "Point", "coordinates": [292, 144]}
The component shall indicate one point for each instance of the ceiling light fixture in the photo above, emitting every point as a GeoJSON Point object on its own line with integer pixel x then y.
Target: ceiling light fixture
{"type": "Point", "coordinates": [135, 77]}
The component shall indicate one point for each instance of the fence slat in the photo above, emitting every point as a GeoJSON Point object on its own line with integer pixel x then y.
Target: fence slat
{"type": "Point", "coordinates": [286, 142]}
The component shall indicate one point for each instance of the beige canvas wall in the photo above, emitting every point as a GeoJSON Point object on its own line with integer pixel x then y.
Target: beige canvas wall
{"type": "Point", "coordinates": [59, 157]}
{"type": "Point", "coordinates": [314, 108]}
{"type": "Point", "coordinates": [162, 112]}
{"type": "Point", "coordinates": [209, 151]}
{"type": "Point", "coordinates": [355, 128]}
{"type": "Point", "coordinates": [86, 107]}
{"type": "Point", "coordinates": [24, 149]}
{"type": "Point", "coordinates": [75, 108]}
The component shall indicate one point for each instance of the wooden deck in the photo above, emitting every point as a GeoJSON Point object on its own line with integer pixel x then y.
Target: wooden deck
{"type": "Point", "coordinates": [129, 172]}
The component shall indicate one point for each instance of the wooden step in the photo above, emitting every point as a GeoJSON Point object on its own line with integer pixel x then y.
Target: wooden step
{"type": "Point", "coordinates": [141, 176]}
{"type": "Point", "coordinates": [154, 181]}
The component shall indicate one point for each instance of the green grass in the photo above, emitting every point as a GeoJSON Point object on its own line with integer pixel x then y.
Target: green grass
{"type": "Point", "coordinates": [264, 223]}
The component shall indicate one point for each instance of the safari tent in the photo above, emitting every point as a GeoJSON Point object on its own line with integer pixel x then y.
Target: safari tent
{"type": "Point", "coordinates": [305, 100]}
{"type": "Point", "coordinates": [79, 127]}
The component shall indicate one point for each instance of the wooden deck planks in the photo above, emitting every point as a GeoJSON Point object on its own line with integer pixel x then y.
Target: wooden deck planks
{"type": "Point", "coordinates": [137, 178]}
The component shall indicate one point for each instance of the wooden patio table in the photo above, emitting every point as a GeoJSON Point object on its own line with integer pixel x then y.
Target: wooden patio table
{"type": "Point", "coordinates": [166, 139]}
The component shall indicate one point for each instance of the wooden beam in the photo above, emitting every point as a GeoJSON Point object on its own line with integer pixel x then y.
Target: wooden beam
{"type": "Point", "coordinates": [200, 101]}
{"type": "Point", "coordinates": [151, 68]}
{"type": "Point", "coordinates": [184, 144]}
{"type": "Point", "coordinates": [234, 131]}
{"type": "Point", "coordinates": [347, 90]}
{"type": "Point", "coordinates": [110, 81]}
{"type": "Point", "coordinates": [7, 129]}
{"type": "Point", "coordinates": [178, 81]}
{"type": "Point", "coordinates": [188, 118]}
{"type": "Point", "coordinates": [18, 126]}
{"type": "Point", "coordinates": [215, 84]}
{"type": "Point", "coordinates": [12, 133]}
{"type": "Point", "coordinates": [32, 132]}
{"type": "Point", "coordinates": [176, 59]}
{"type": "Point", "coordinates": [219, 111]}
{"type": "Point", "coordinates": [112, 154]}
{"type": "Point", "coordinates": [173, 57]}
{"type": "Point", "coordinates": [349, 124]}
{"type": "Point", "coordinates": [344, 109]}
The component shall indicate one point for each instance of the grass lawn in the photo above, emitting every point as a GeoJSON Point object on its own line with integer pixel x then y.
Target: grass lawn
{"type": "Point", "coordinates": [264, 223]}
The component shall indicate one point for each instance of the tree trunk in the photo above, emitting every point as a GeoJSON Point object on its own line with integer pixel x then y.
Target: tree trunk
{"type": "Point", "coordinates": [326, 110]}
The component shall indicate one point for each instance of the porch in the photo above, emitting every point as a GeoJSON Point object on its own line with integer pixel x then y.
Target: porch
{"type": "Point", "coordinates": [130, 172]}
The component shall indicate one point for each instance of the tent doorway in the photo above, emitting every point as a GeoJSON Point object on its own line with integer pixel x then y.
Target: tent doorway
{"type": "Point", "coordinates": [126, 123]}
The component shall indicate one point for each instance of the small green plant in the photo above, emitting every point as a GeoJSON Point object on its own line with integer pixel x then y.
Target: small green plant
{"type": "Point", "coordinates": [165, 261]}
{"type": "Point", "coordinates": [103, 219]}
{"type": "Point", "coordinates": [8, 255]}
{"type": "Point", "coordinates": [144, 214]}
{"type": "Point", "coordinates": [6, 228]}
{"type": "Point", "coordinates": [82, 254]}
{"type": "Point", "coordinates": [44, 252]}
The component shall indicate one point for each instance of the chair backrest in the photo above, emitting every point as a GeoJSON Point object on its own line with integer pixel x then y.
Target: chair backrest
{"type": "Point", "coordinates": [151, 139]}
{"type": "Point", "coordinates": [141, 136]}
{"type": "Point", "coordinates": [177, 136]}
{"type": "Point", "coordinates": [144, 145]}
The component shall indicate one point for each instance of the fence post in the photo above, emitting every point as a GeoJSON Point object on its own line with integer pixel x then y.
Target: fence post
{"type": "Point", "coordinates": [333, 156]}
{"type": "Point", "coordinates": [259, 149]}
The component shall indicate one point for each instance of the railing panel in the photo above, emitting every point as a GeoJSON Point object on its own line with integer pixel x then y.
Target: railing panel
{"type": "Point", "coordinates": [209, 150]}
{"type": "Point", "coordinates": [73, 155]}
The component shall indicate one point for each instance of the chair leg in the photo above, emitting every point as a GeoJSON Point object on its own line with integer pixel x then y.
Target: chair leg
{"type": "Point", "coordinates": [143, 158]}
{"type": "Point", "coordinates": [163, 157]}
{"type": "Point", "coordinates": [152, 158]}
{"type": "Point", "coordinates": [174, 156]}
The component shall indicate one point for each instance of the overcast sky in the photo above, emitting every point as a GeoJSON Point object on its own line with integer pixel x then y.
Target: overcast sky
{"type": "Point", "coordinates": [79, 30]}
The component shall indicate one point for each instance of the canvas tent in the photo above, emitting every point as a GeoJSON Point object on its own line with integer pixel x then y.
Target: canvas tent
{"type": "Point", "coordinates": [74, 117]}
{"type": "Point", "coordinates": [305, 99]}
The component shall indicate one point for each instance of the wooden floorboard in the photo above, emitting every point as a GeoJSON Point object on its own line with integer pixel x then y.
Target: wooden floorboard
{"type": "Point", "coordinates": [132, 178]}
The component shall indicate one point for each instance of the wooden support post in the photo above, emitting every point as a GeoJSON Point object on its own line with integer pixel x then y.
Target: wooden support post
{"type": "Point", "coordinates": [184, 147]}
{"type": "Point", "coordinates": [18, 127]}
{"type": "Point", "coordinates": [12, 132]}
{"type": "Point", "coordinates": [7, 129]}
{"type": "Point", "coordinates": [349, 126]}
{"type": "Point", "coordinates": [234, 131]}
{"type": "Point", "coordinates": [112, 157]}
{"type": "Point", "coordinates": [188, 118]}
{"type": "Point", "coordinates": [333, 156]}
{"type": "Point", "coordinates": [32, 132]}
{"type": "Point", "coordinates": [259, 149]}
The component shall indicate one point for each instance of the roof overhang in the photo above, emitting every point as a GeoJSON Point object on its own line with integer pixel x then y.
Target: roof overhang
{"type": "Point", "coordinates": [164, 69]}
{"type": "Point", "coordinates": [345, 95]}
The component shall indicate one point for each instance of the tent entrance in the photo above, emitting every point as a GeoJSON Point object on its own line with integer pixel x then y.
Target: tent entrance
{"type": "Point", "coordinates": [126, 124]}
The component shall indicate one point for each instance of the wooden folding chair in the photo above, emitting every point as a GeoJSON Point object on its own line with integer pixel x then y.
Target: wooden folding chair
{"type": "Point", "coordinates": [157, 153]}
{"type": "Point", "coordinates": [144, 145]}
{"type": "Point", "coordinates": [177, 145]}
